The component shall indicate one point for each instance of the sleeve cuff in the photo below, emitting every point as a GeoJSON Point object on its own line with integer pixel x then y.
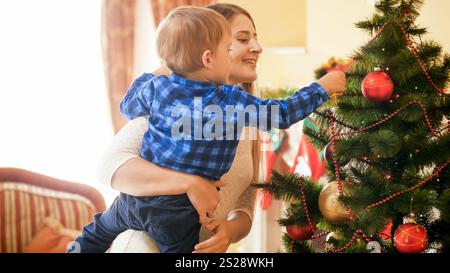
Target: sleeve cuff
{"type": "Point", "coordinates": [322, 91]}
{"type": "Point", "coordinates": [246, 211]}
{"type": "Point", "coordinates": [105, 173]}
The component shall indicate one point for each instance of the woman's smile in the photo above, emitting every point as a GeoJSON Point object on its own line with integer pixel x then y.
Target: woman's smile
{"type": "Point", "coordinates": [251, 61]}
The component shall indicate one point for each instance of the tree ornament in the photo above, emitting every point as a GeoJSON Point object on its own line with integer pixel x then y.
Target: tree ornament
{"type": "Point", "coordinates": [336, 236]}
{"type": "Point", "coordinates": [410, 237]}
{"type": "Point", "coordinates": [377, 86]}
{"type": "Point", "coordinates": [386, 233]}
{"type": "Point", "coordinates": [300, 233]}
{"type": "Point", "coordinates": [330, 207]}
{"type": "Point", "coordinates": [360, 242]}
{"type": "Point", "coordinates": [388, 177]}
{"type": "Point", "coordinates": [327, 152]}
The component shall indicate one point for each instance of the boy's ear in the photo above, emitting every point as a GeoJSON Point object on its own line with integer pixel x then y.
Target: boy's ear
{"type": "Point", "coordinates": [207, 59]}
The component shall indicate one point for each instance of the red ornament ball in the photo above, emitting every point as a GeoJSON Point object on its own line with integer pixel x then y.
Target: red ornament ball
{"type": "Point", "coordinates": [377, 86]}
{"type": "Point", "coordinates": [410, 238]}
{"type": "Point", "coordinates": [300, 233]}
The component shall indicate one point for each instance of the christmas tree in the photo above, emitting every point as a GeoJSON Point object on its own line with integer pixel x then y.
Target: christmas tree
{"type": "Point", "coordinates": [386, 142]}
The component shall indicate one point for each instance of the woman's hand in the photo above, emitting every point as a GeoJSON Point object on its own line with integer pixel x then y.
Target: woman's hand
{"type": "Point", "coordinates": [204, 196]}
{"type": "Point", "coordinates": [221, 239]}
{"type": "Point", "coordinates": [234, 229]}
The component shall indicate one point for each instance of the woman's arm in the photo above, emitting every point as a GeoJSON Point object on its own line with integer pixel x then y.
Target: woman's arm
{"type": "Point", "coordinates": [135, 177]}
{"type": "Point", "coordinates": [123, 169]}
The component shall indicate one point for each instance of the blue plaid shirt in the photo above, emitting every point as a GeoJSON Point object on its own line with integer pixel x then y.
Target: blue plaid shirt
{"type": "Point", "coordinates": [194, 153]}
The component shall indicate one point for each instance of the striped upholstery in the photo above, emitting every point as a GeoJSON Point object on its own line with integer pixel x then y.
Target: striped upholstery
{"type": "Point", "coordinates": [24, 206]}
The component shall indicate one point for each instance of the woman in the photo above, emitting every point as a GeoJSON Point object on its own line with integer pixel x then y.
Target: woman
{"type": "Point", "coordinates": [125, 171]}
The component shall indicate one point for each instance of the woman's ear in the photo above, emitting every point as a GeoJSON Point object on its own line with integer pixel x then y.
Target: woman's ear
{"type": "Point", "coordinates": [207, 59]}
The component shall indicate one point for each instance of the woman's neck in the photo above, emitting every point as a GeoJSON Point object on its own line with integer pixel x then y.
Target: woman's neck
{"type": "Point", "coordinates": [232, 81]}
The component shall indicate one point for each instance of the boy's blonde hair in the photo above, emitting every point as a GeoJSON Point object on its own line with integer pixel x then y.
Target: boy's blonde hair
{"type": "Point", "coordinates": [186, 33]}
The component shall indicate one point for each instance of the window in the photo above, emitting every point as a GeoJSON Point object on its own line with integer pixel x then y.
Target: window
{"type": "Point", "coordinates": [53, 105]}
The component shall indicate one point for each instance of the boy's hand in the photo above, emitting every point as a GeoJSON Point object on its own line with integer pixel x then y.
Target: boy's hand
{"type": "Point", "coordinates": [334, 82]}
{"type": "Point", "coordinates": [204, 196]}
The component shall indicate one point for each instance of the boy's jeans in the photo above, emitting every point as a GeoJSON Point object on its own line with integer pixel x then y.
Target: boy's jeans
{"type": "Point", "coordinates": [170, 220]}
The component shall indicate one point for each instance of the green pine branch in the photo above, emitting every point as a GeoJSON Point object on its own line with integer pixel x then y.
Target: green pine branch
{"type": "Point", "coordinates": [393, 156]}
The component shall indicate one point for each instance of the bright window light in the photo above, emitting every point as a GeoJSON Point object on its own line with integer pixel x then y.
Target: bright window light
{"type": "Point", "coordinates": [54, 113]}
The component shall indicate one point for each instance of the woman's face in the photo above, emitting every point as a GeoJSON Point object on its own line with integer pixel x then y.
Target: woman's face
{"type": "Point", "coordinates": [245, 50]}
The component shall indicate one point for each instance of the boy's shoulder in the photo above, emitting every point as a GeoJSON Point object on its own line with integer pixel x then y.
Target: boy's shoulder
{"type": "Point", "coordinates": [155, 80]}
{"type": "Point", "coordinates": [231, 88]}
{"type": "Point", "coordinates": [152, 77]}
{"type": "Point", "coordinates": [145, 77]}
{"type": "Point", "coordinates": [236, 92]}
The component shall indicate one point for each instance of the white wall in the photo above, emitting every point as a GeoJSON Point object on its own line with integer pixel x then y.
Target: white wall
{"type": "Point", "coordinates": [331, 32]}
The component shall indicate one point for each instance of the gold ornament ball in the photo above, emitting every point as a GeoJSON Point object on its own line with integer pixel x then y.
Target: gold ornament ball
{"type": "Point", "coordinates": [330, 207]}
